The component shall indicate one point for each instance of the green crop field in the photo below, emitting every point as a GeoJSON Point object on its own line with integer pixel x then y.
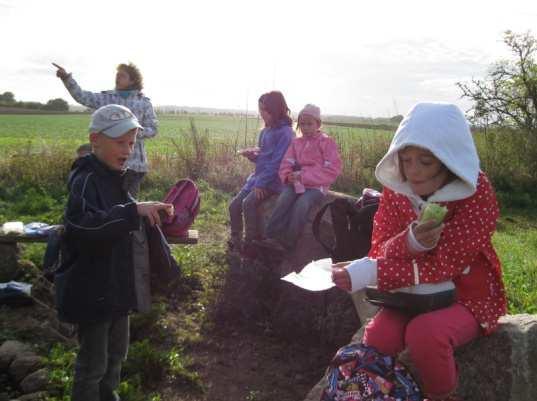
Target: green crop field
{"type": "Point", "coordinates": [19, 131]}
{"type": "Point", "coordinates": [68, 130]}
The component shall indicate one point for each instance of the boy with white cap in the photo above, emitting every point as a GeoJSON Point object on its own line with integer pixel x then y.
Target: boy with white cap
{"type": "Point", "coordinates": [97, 286]}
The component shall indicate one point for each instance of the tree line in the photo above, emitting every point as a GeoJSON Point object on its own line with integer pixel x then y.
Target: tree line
{"type": "Point", "coordinates": [7, 99]}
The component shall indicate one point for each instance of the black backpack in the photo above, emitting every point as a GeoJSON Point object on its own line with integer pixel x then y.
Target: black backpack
{"type": "Point", "coordinates": [352, 223]}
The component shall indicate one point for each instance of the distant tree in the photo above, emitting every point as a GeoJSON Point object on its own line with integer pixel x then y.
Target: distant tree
{"type": "Point", "coordinates": [7, 98]}
{"type": "Point", "coordinates": [396, 119]}
{"type": "Point", "coordinates": [57, 104]}
{"type": "Point", "coordinates": [508, 96]}
{"type": "Point", "coordinates": [30, 105]}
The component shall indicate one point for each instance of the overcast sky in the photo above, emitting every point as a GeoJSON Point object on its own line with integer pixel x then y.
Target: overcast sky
{"type": "Point", "coordinates": [367, 58]}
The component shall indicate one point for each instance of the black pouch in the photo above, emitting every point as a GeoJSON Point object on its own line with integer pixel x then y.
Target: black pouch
{"type": "Point", "coordinates": [412, 304]}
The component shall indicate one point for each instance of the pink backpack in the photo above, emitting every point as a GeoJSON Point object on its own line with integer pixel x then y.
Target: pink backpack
{"type": "Point", "coordinates": [185, 198]}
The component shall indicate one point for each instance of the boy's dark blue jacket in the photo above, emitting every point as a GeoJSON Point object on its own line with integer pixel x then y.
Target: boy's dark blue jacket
{"type": "Point", "coordinates": [96, 281]}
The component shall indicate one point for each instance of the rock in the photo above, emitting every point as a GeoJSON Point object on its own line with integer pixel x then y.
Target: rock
{"type": "Point", "coordinates": [327, 316]}
{"type": "Point", "coordinates": [23, 365]}
{"type": "Point", "coordinates": [38, 396]}
{"type": "Point", "coordinates": [254, 293]}
{"type": "Point", "coordinates": [34, 382]}
{"type": "Point", "coordinates": [9, 254]}
{"type": "Point", "coordinates": [500, 367]}
{"type": "Point", "coordinates": [9, 351]}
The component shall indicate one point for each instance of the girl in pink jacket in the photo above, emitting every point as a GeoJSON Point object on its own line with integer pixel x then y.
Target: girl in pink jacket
{"type": "Point", "coordinates": [310, 165]}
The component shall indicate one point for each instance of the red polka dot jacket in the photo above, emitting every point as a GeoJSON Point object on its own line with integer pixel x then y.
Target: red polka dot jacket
{"type": "Point", "coordinates": [463, 254]}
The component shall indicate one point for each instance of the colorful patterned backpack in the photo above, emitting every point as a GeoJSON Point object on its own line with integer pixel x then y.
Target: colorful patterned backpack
{"type": "Point", "coordinates": [361, 373]}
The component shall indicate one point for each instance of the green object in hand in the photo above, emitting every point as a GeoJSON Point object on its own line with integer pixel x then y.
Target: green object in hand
{"type": "Point", "coordinates": [433, 212]}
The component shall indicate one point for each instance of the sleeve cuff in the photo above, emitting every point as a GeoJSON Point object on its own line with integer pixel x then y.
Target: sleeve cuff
{"type": "Point", "coordinates": [362, 272]}
{"type": "Point", "coordinates": [414, 245]}
{"type": "Point", "coordinates": [132, 216]}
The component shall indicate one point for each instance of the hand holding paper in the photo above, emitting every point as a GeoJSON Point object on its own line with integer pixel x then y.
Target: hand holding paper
{"type": "Point", "coordinates": [315, 276]}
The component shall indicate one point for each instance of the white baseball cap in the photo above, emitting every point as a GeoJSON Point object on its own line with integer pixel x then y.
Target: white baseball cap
{"type": "Point", "coordinates": [113, 120]}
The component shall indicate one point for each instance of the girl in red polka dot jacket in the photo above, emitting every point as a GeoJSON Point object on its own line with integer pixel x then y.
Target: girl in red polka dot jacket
{"type": "Point", "coordinates": [432, 158]}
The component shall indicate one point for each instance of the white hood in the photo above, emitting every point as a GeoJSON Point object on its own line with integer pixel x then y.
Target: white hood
{"type": "Point", "coordinates": [442, 129]}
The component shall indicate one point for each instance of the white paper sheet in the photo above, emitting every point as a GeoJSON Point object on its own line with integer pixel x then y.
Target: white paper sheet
{"type": "Point", "coordinates": [315, 276]}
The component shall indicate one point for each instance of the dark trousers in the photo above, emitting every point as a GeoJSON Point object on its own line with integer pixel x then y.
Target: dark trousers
{"type": "Point", "coordinates": [291, 214]}
{"type": "Point", "coordinates": [103, 348]}
{"type": "Point", "coordinates": [245, 205]}
{"type": "Point", "coordinates": [132, 181]}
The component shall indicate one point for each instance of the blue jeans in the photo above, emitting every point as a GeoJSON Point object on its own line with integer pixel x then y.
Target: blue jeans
{"type": "Point", "coordinates": [103, 348]}
{"type": "Point", "coordinates": [291, 214]}
{"type": "Point", "coordinates": [245, 204]}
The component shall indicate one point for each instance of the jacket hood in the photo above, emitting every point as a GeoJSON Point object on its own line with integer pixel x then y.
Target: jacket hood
{"type": "Point", "coordinates": [442, 129]}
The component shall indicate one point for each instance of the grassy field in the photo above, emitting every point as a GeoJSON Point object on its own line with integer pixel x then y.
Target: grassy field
{"type": "Point", "coordinates": [67, 131]}
{"type": "Point", "coordinates": [195, 145]}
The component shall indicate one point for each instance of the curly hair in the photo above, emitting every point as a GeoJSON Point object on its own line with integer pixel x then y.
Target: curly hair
{"type": "Point", "coordinates": [134, 74]}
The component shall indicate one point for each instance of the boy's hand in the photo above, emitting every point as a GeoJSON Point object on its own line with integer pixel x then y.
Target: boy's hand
{"type": "Point", "coordinates": [428, 233]}
{"type": "Point", "coordinates": [151, 211]}
{"type": "Point", "coordinates": [61, 73]}
{"type": "Point", "coordinates": [340, 276]}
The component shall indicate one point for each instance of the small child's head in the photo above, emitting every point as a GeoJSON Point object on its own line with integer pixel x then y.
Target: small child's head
{"type": "Point", "coordinates": [113, 131]}
{"type": "Point", "coordinates": [309, 120]}
{"type": "Point", "coordinates": [83, 150]}
{"type": "Point", "coordinates": [273, 108]}
{"type": "Point", "coordinates": [129, 77]}
{"type": "Point", "coordinates": [433, 147]}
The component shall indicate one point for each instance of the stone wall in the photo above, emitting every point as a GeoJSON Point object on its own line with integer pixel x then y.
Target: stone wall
{"type": "Point", "coordinates": [328, 315]}
{"type": "Point", "coordinates": [21, 373]}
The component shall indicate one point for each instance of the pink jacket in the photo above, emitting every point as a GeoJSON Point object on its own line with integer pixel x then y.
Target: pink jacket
{"type": "Point", "coordinates": [318, 158]}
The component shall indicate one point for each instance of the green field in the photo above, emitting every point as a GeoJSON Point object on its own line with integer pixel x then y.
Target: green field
{"type": "Point", "coordinates": [66, 131]}
{"type": "Point", "coordinates": [69, 130]}
{"type": "Point", "coordinates": [211, 141]}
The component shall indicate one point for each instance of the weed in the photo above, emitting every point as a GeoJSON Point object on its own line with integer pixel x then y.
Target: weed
{"type": "Point", "coordinates": [60, 362]}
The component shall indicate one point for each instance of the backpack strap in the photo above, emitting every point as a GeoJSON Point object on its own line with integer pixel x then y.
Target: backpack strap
{"type": "Point", "coordinates": [315, 228]}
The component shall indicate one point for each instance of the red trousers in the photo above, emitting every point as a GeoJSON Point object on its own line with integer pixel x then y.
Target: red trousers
{"type": "Point", "coordinates": [430, 339]}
